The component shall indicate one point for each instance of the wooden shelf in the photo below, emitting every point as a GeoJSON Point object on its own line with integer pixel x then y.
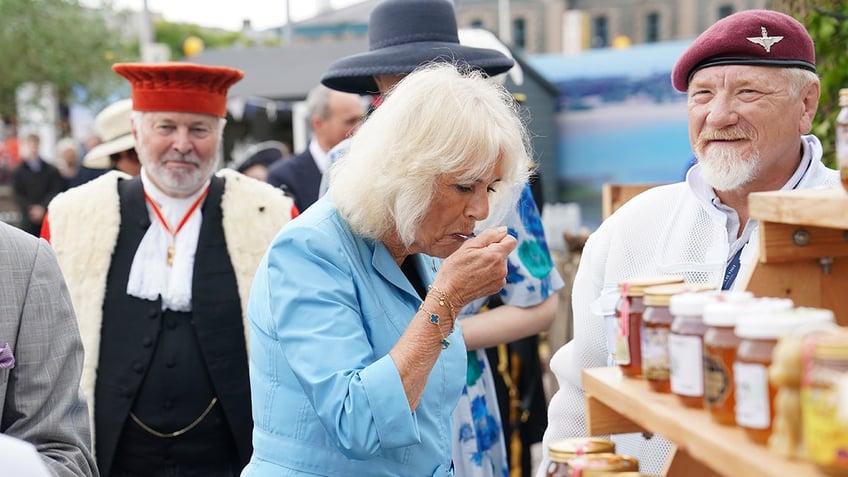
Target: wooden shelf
{"type": "Point", "coordinates": [803, 252]}
{"type": "Point", "coordinates": [815, 207]}
{"type": "Point", "coordinates": [617, 404]}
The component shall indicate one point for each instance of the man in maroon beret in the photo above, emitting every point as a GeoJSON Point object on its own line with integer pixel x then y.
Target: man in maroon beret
{"type": "Point", "coordinates": [752, 94]}
{"type": "Point", "coordinates": [159, 268]}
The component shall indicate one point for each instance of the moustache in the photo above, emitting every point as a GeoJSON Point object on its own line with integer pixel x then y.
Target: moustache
{"type": "Point", "coordinates": [178, 157]}
{"type": "Point", "coordinates": [733, 134]}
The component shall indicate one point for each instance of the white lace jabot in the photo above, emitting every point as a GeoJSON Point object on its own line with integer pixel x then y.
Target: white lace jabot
{"type": "Point", "coordinates": [150, 274]}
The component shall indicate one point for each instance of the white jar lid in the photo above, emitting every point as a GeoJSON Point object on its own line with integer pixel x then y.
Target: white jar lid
{"type": "Point", "coordinates": [727, 313]}
{"type": "Point", "coordinates": [692, 304]}
{"type": "Point", "coordinates": [773, 325]}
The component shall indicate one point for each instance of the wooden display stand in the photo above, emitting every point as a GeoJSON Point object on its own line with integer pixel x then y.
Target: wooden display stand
{"type": "Point", "coordinates": [803, 248]}
{"type": "Point", "coordinates": [616, 404]}
{"type": "Point", "coordinates": [803, 256]}
{"type": "Point", "coordinates": [614, 196]}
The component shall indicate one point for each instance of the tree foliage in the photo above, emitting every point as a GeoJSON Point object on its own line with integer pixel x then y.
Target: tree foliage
{"type": "Point", "coordinates": [827, 22]}
{"type": "Point", "coordinates": [58, 42]}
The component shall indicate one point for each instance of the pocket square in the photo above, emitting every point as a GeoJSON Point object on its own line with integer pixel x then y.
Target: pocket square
{"type": "Point", "coordinates": [7, 360]}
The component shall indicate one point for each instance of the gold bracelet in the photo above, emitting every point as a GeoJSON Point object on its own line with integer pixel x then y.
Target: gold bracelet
{"type": "Point", "coordinates": [435, 319]}
{"type": "Point", "coordinates": [444, 301]}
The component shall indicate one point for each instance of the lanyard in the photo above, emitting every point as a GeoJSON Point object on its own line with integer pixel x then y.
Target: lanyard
{"type": "Point", "coordinates": [174, 232]}
{"type": "Point", "coordinates": [732, 270]}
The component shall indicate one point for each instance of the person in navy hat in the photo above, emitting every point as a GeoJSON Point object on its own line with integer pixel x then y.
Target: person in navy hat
{"type": "Point", "coordinates": [403, 35]}
{"type": "Point", "coordinates": [752, 94]}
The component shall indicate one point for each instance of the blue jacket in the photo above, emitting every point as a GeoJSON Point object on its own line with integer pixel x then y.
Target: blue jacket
{"type": "Point", "coordinates": [325, 309]}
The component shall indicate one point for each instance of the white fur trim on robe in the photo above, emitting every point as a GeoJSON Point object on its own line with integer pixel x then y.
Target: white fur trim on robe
{"type": "Point", "coordinates": [84, 226]}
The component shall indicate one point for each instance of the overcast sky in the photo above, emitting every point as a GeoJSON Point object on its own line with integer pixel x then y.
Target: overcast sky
{"type": "Point", "coordinates": [227, 14]}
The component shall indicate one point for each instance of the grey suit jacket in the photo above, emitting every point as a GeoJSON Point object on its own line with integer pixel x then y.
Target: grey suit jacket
{"type": "Point", "coordinates": [40, 398]}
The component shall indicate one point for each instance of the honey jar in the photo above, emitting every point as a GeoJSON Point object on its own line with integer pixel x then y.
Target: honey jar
{"type": "Point", "coordinates": [720, 343]}
{"type": "Point", "coordinates": [656, 326]}
{"type": "Point", "coordinates": [595, 465]}
{"type": "Point", "coordinates": [686, 342]}
{"type": "Point", "coordinates": [758, 333]}
{"type": "Point", "coordinates": [629, 309]}
{"type": "Point", "coordinates": [824, 409]}
{"type": "Point", "coordinates": [563, 450]}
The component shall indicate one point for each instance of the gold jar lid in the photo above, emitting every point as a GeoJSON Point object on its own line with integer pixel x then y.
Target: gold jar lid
{"type": "Point", "coordinates": [660, 295]}
{"type": "Point", "coordinates": [565, 449]}
{"type": "Point", "coordinates": [595, 465]}
{"type": "Point", "coordinates": [636, 286]}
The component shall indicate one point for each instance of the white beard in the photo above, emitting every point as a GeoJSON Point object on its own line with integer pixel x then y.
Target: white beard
{"type": "Point", "coordinates": [724, 169]}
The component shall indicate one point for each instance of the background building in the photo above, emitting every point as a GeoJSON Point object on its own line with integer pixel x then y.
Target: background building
{"type": "Point", "coordinates": [569, 26]}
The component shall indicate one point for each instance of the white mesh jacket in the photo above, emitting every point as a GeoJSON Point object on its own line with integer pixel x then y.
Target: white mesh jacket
{"type": "Point", "coordinates": [673, 229]}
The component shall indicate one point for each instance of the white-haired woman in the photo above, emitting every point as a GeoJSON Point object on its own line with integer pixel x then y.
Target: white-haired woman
{"type": "Point", "coordinates": [356, 359]}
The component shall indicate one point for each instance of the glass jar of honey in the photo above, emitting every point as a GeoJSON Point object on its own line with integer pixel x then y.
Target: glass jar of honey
{"type": "Point", "coordinates": [563, 450]}
{"type": "Point", "coordinates": [685, 346]}
{"type": "Point", "coordinates": [842, 137]}
{"type": "Point", "coordinates": [720, 343]}
{"type": "Point", "coordinates": [656, 325]}
{"type": "Point", "coordinates": [629, 309]}
{"type": "Point", "coordinates": [824, 411]}
{"type": "Point", "coordinates": [595, 465]}
{"type": "Point", "coordinates": [758, 334]}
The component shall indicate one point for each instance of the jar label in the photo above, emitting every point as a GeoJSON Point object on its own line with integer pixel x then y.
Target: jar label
{"type": "Point", "coordinates": [825, 435]}
{"type": "Point", "coordinates": [655, 362]}
{"type": "Point", "coordinates": [717, 382]}
{"type": "Point", "coordinates": [686, 356]}
{"type": "Point", "coordinates": [622, 348]}
{"type": "Point", "coordinates": [753, 409]}
{"type": "Point", "coordinates": [611, 325]}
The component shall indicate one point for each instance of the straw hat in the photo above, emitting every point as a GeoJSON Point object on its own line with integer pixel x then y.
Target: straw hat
{"type": "Point", "coordinates": [113, 125]}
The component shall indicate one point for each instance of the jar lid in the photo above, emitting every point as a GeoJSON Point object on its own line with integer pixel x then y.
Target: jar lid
{"type": "Point", "coordinates": [727, 313]}
{"type": "Point", "coordinates": [692, 304]}
{"type": "Point", "coordinates": [831, 345]}
{"type": "Point", "coordinates": [774, 324]}
{"type": "Point", "coordinates": [564, 449]}
{"type": "Point", "coordinates": [659, 295]}
{"type": "Point", "coordinates": [636, 286]}
{"type": "Point", "coordinates": [597, 464]}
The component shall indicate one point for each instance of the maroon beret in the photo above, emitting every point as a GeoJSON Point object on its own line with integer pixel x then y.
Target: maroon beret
{"type": "Point", "coordinates": [749, 37]}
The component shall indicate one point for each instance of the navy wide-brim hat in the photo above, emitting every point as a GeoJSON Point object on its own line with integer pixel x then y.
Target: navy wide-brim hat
{"type": "Point", "coordinates": [403, 35]}
{"type": "Point", "coordinates": [749, 37]}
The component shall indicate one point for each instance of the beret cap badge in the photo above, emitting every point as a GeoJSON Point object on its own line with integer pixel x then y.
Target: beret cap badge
{"type": "Point", "coordinates": [765, 41]}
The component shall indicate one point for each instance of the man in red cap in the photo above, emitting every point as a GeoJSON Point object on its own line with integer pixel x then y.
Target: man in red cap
{"type": "Point", "coordinates": [752, 95]}
{"type": "Point", "coordinates": [159, 268]}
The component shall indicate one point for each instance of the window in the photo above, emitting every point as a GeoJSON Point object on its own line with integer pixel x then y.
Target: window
{"type": "Point", "coordinates": [519, 33]}
{"type": "Point", "coordinates": [725, 10]}
{"type": "Point", "coordinates": [600, 33]}
{"type": "Point", "coordinates": [652, 27]}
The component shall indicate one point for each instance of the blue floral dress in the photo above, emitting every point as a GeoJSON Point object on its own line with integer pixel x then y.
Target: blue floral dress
{"type": "Point", "coordinates": [479, 448]}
